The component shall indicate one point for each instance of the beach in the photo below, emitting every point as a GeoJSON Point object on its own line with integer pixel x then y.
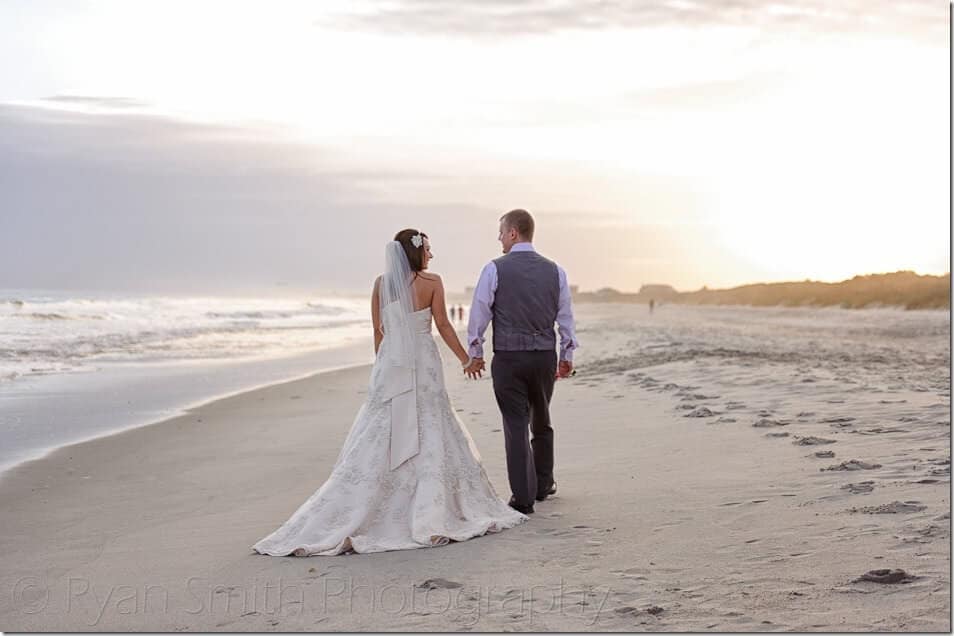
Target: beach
{"type": "Point", "coordinates": [691, 496]}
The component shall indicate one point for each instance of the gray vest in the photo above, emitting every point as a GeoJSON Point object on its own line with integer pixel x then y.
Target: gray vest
{"type": "Point", "coordinates": [526, 302]}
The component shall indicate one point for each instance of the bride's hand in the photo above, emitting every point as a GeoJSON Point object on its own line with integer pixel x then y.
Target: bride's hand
{"type": "Point", "coordinates": [474, 368]}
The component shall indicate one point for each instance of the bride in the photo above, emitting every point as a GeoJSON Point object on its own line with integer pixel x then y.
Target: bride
{"type": "Point", "coordinates": [409, 474]}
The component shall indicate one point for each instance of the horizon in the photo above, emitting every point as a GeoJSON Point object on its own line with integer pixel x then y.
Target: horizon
{"type": "Point", "coordinates": [280, 290]}
{"type": "Point", "coordinates": [742, 142]}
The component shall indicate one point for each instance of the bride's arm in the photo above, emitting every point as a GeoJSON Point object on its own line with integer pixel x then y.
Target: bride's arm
{"type": "Point", "coordinates": [444, 326]}
{"type": "Point", "coordinates": [376, 315]}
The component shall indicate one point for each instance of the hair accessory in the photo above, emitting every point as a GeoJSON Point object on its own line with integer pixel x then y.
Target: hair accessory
{"type": "Point", "coordinates": [417, 240]}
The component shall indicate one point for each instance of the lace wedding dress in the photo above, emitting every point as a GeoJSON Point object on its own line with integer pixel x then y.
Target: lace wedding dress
{"type": "Point", "coordinates": [375, 499]}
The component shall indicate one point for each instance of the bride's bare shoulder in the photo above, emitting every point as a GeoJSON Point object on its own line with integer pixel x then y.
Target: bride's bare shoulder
{"type": "Point", "coordinates": [430, 277]}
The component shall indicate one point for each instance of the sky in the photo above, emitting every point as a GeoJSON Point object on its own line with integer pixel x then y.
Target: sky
{"type": "Point", "coordinates": [228, 146]}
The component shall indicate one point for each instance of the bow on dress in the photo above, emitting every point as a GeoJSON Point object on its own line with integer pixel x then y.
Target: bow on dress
{"type": "Point", "coordinates": [400, 388]}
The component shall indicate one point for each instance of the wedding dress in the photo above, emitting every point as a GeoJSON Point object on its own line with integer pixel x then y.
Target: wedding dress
{"type": "Point", "coordinates": [408, 475]}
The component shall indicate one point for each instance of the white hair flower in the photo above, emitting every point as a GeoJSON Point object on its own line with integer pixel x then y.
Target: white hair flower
{"type": "Point", "coordinates": [417, 240]}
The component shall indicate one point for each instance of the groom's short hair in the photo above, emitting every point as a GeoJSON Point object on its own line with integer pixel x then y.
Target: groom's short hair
{"type": "Point", "coordinates": [521, 221]}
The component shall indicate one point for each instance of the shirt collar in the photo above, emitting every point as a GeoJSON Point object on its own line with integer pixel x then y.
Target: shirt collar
{"type": "Point", "coordinates": [523, 246]}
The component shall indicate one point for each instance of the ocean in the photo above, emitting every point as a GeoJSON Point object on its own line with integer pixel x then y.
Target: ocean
{"type": "Point", "coordinates": [76, 366]}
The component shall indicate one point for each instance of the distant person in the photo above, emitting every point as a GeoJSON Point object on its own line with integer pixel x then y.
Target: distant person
{"type": "Point", "coordinates": [652, 303]}
{"type": "Point", "coordinates": [460, 311]}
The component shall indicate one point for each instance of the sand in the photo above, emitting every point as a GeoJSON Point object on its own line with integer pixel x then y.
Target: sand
{"type": "Point", "coordinates": [670, 516]}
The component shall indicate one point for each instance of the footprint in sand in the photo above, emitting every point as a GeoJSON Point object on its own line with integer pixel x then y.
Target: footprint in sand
{"type": "Point", "coordinates": [853, 464]}
{"type": "Point", "coordinates": [836, 420]}
{"type": "Point", "coordinates": [782, 434]}
{"type": "Point", "coordinates": [811, 440]}
{"type": "Point", "coordinates": [895, 507]}
{"type": "Point", "coordinates": [767, 423]}
{"type": "Point", "coordinates": [860, 487]}
{"type": "Point", "coordinates": [433, 584]}
{"type": "Point", "coordinates": [637, 574]}
{"type": "Point", "coordinates": [885, 576]}
{"type": "Point", "coordinates": [700, 412]}
{"type": "Point", "coordinates": [838, 425]}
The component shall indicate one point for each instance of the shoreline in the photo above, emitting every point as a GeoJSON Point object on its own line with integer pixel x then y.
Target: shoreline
{"type": "Point", "coordinates": [179, 412]}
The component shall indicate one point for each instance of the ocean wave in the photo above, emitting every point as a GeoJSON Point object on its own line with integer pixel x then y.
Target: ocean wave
{"type": "Point", "coordinates": [45, 316]}
{"type": "Point", "coordinates": [44, 334]}
{"type": "Point", "coordinates": [214, 341]}
{"type": "Point", "coordinates": [265, 314]}
{"type": "Point", "coordinates": [39, 315]}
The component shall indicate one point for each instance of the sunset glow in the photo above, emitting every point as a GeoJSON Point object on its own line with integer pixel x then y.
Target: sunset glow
{"type": "Point", "coordinates": [771, 142]}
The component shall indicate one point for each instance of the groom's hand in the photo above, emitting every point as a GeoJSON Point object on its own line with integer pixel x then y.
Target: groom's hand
{"type": "Point", "coordinates": [565, 369]}
{"type": "Point", "coordinates": [473, 370]}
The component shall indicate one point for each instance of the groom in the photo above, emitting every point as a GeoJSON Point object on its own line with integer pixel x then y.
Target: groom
{"type": "Point", "coordinates": [523, 294]}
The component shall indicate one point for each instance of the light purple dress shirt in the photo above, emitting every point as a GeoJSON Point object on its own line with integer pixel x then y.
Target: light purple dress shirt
{"type": "Point", "coordinates": [481, 313]}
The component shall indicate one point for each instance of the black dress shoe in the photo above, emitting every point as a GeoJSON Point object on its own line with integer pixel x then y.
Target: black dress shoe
{"type": "Point", "coordinates": [527, 510]}
{"type": "Point", "coordinates": [546, 493]}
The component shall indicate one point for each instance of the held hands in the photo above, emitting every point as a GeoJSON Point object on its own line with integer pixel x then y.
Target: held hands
{"type": "Point", "coordinates": [473, 367]}
{"type": "Point", "coordinates": [565, 369]}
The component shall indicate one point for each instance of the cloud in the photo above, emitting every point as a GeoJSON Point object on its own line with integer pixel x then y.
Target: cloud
{"type": "Point", "coordinates": [112, 103]}
{"type": "Point", "coordinates": [504, 18]}
{"type": "Point", "coordinates": [143, 202]}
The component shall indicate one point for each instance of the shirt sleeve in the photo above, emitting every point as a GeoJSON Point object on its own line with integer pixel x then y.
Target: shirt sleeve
{"type": "Point", "coordinates": [480, 310]}
{"type": "Point", "coordinates": [565, 322]}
